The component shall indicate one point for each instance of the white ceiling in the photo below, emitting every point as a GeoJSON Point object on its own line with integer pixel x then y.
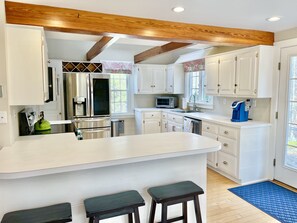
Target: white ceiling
{"type": "Point", "coordinates": [247, 14]}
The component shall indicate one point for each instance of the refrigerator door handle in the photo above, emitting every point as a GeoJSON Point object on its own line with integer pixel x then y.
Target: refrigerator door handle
{"type": "Point", "coordinates": [90, 95]}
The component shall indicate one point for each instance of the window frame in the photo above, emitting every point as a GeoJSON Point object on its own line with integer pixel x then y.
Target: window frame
{"type": "Point", "coordinates": [129, 95]}
{"type": "Point", "coordinates": [188, 82]}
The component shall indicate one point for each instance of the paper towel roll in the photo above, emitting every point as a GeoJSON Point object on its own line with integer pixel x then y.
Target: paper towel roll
{"type": "Point", "coordinates": [184, 103]}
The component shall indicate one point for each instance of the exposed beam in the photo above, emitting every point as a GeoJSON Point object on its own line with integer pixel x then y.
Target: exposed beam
{"type": "Point", "coordinates": [77, 21]}
{"type": "Point", "coordinates": [159, 50]}
{"type": "Point", "coordinates": [101, 45]}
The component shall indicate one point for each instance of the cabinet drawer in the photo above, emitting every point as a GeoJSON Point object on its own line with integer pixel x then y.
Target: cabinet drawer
{"type": "Point", "coordinates": [152, 115]}
{"type": "Point", "coordinates": [207, 127]}
{"type": "Point", "coordinates": [228, 132]}
{"type": "Point", "coordinates": [173, 127]}
{"type": "Point", "coordinates": [164, 115]}
{"type": "Point", "coordinates": [209, 135]}
{"type": "Point", "coordinates": [228, 145]}
{"type": "Point", "coordinates": [176, 118]}
{"type": "Point", "coordinates": [227, 163]}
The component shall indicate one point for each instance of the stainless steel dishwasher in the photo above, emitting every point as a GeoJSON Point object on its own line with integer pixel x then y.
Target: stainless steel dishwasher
{"type": "Point", "coordinates": [192, 125]}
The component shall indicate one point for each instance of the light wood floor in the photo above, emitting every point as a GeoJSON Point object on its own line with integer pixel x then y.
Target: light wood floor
{"type": "Point", "coordinates": [224, 207]}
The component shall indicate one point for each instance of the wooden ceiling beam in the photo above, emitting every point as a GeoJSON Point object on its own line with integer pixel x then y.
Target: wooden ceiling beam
{"type": "Point", "coordinates": [77, 21]}
{"type": "Point", "coordinates": [159, 50]}
{"type": "Point", "coordinates": [101, 45]}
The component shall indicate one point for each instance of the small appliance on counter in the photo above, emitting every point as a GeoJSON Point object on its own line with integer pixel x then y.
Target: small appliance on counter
{"type": "Point", "coordinates": [26, 122]}
{"type": "Point", "coordinates": [42, 126]}
{"type": "Point", "coordinates": [240, 111]}
{"type": "Point", "coordinates": [166, 102]}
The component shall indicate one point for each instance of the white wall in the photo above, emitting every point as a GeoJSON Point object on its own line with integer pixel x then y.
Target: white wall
{"type": "Point", "coordinates": [260, 110]}
{"type": "Point", "coordinates": [285, 35]}
{"type": "Point", "coordinates": [7, 131]}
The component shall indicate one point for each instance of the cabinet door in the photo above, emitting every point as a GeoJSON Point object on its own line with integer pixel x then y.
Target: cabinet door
{"type": "Point", "coordinates": [151, 126]}
{"type": "Point", "coordinates": [164, 126]}
{"type": "Point", "coordinates": [170, 80]}
{"type": "Point", "coordinates": [246, 73]}
{"type": "Point", "coordinates": [145, 80]}
{"type": "Point", "coordinates": [212, 75]}
{"type": "Point", "coordinates": [211, 157]}
{"type": "Point", "coordinates": [159, 79]}
{"type": "Point", "coordinates": [25, 65]}
{"type": "Point", "coordinates": [227, 69]}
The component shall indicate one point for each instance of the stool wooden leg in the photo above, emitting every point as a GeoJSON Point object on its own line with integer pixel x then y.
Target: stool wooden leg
{"type": "Point", "coordinates": [136, 215]}
{"type": "Point", "coordinates": [152, 212]}
{"type": "Point", "coordinates": [197, 209]}
{"type": "Point", "coordinates": [130, 218]}
{"type": "Point", "coordinates": [164, 213]}
{"type": "Point", "coordinates": [185, 212]}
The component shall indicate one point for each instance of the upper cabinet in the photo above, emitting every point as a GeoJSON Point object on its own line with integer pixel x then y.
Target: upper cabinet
{"type": "Point", "coordinates": [175, 79]}
{"type": "Point", "coordinates": [159, 79]}
{"type": "Point", "coordinates": [243, 73]}
{"type": "Point", "coordinates": [26, 54]}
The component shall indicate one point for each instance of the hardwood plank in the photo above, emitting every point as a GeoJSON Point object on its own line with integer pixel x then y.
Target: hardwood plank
{"type": "Point", "coordinates": [225, 207]}
{"type": "Point", "coordinates": [101, 45]}
{"type": "Point", "coordinates": [77, 21]}
{"type": "Point", "coordinates": [159, 50]}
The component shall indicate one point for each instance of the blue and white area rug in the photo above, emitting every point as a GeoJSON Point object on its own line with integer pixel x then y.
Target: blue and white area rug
{"type": "Point", "coordinates": [274, 200]}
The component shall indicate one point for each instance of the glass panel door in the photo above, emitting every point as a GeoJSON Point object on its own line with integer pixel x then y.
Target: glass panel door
{"type": "Point", "coordinates": [100, 98]}
{"type": "Point", "coordinates": [286, 143]}
{"type": "Point", "coordinates": [291, 138]}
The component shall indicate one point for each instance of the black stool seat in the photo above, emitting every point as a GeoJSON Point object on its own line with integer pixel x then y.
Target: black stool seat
{"type": "Point", "coordinates": [108, 206]}
{"type": "Point", "coordinates": [175, 193]}
{"type": "Point", "coordinates": [58, 213]}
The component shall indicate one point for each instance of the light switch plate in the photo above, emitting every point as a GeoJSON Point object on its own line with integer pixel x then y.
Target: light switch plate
{"type": "Point", "coordinates": [3, 117]}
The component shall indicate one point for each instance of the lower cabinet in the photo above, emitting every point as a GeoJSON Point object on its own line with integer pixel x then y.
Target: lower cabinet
{"type": "Point", "coordinates": [175, 123]}
{"type": "Point", "coordinates": [148, 122]}
{"type": "Point", "coordinates": [244, 151]}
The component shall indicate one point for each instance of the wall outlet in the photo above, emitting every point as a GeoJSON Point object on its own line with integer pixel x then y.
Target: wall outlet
{"type": "Point", "coordinates": [3, 117]}
{"type": "Point", "coordinates": [224, 101]}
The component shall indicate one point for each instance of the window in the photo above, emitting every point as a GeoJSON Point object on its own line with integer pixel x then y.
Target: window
{"type": "Point", "coordinates": [197, 90]}
{"type": "Point", "coordinates": [120, 93]}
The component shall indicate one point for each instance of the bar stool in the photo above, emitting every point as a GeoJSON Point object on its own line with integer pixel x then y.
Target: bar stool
{"type": "Point", "coordinates": [112, 205]}
{"type": "Point", "coordinates": [58, 213]}
{"type": "Point", "coordinates": [170, 194]}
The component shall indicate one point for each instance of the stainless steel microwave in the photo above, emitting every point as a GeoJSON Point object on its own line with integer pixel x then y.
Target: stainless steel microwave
{"type": "Point", "coordinates": [166, 102]}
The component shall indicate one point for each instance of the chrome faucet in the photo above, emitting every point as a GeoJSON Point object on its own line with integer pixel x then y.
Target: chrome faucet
{"type": "Point", "coordinates": [195, 107]}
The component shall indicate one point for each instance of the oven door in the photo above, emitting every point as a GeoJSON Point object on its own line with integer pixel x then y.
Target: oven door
{"type": "Point", "coordinates": [95, 133]}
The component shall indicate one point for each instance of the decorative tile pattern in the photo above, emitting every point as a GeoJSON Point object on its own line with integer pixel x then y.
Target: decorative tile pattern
{"type": "Point", "coordinates": [273, 199]}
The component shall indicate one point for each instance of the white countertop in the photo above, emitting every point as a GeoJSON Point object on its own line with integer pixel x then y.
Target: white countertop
{"type": "Point", "coordinates": [57, 153]}
{"type": "Point", "coordinates": [218, 119]}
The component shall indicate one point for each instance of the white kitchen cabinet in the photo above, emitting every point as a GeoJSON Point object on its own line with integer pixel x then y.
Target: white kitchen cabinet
{"type": "Point", "coordinates": [242, 73]}
{"type": "Point", "coordinates": [150, 79]}
{"type": "Point", "coordinates": [148, 122]}
{"type": "Point", "coordinates": [244, 151]}
{"type": "Point", "coordinates": [26, 54]}
{"type": "Point", "coordinates": [175, 83]}
{"type": "Point", "coordinates": [212, 75]}
{"type": "Point", "coordinates": [175, 123]}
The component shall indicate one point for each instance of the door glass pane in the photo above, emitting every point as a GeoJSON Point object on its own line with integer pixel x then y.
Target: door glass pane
{"type": "Point", "coordinates": [101, 96]}
{"type": "Point", "coordinates": [291, 141]}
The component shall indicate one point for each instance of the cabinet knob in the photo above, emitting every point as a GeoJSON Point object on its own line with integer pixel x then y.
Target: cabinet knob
{"type": "Point", "coordinates": [226, 132]}
{"type": "Point", "coordinates": [225, 144]}
{"type": "Point", "coordinates": [207, 127]}
{"type": "Point", "coordinates": [225, 163]}
{"type": "Point", "coordinates": [255, 91]}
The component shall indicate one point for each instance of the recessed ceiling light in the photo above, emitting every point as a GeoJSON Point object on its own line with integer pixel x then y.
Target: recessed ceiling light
{"type": "Point", "coordinates": [273, 19]}
{"type": "Point", "coordinates": [178, 9]}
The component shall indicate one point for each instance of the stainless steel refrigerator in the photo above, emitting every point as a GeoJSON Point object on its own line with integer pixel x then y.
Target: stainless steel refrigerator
{"type": "Point", "coordinates": [87, 103]}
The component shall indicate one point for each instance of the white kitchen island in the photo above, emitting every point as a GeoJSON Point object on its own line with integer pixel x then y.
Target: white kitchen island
{"type": "Point", "coordinates": [47, 169]}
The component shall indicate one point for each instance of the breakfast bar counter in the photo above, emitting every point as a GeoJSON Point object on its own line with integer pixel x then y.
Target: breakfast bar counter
{"type": "Point", "coordinates": [46, 169]}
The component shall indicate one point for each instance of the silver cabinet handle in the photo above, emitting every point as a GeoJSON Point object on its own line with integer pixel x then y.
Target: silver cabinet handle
{"type": "Point", "coordinates": [159, 123]}
{"type": "Point", "coordinates": [226, 132]}
{"type": "Point", "coordinates": [165, 125]}
{"type": "Point", "coordinates": [225, 163]}
{"type": "Point", "coordinates": [225, 144]}
{"type": "Point", "coordinates": [173, 128]}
